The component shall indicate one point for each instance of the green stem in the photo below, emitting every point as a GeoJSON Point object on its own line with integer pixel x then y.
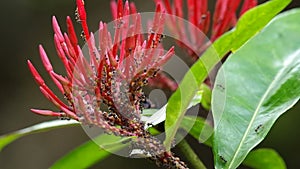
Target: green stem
{"type": "Point", "coordinates": [189, 153]}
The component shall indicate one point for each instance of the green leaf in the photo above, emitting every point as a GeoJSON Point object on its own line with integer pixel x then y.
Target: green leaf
{"type": "Point", "coordinates": [199, 129]}
{"type": "Point", "coordinates": [156, 116]}
{"type": "Point", "coordinates": [264, 158]}
{"type": "Point", "coordinates": [206, 96]}
{"type": "Point", "coordinates": [42, 127]}
{"type": "Point", "coordinates": [89, 153]}
{"type": "Point", "coordinates": [248, 26]}
{"type": "Point", "coordinates": [196, 126]}
{"type": "Point", "coordinates": [260, 82]}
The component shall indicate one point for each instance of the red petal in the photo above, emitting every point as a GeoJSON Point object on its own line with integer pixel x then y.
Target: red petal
{"type": "Point", "coordinates": [82, 17]}
{"type": "Point", "coordinates": [114, 9]}
{"type": "Point", "coordinates": [132, 8]}
{"type": "Point", "coordinates": [47, 113]}
{"type": "Point", "coordinates": [56, 29]}
{"type": "Point", "coordinates": [35, 74]}
{"type": "Point", "coordinates": [72, 33]}
{"type": "Point", "coordinates": [120, 9]}
{"type": "Point", "coordinates": [248, 4]}
{"type": "Point", "coordinates": [45, 59]}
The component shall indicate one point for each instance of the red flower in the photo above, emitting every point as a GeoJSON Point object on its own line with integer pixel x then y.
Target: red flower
{"type": "Point", "coordinates": [126, 62]}
{"type": "Point", "coordinates": [224, 18]}
{"type": "Point", "coordinates": [111, 74]}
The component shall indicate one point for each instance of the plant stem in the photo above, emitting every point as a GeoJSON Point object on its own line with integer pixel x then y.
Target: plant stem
{"type": "Point", "coordinates": [189, 153]}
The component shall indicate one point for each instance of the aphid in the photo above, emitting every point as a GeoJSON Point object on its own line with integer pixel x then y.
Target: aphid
{"type": "Point", "coordinates": [77, 16]}
{"type": "Point", "coordinates": [152, 32]}
{"type": "Point", "coordinates": [221, 87]}
{"type": "Point", "coordinates": [129, 50]}
{"type": "Point", "coordinates": [145, 82]}
{"type": "Point", "coordinates": [223, 159]}
{"type": "Point", "coordinates": [125, 141]}
{"type": "Point", "coordinates": [258, 128]}
{"type": "Point", "coordinates": [149, 125]}
{"type": "Point", "coordinates": [82, 35]}
{"type": "Point", "coordinates": [146, 103]}
{"type": "Point", "coordinates": [155, 72]}
{"type": "Point", "coordinates": [63, 116]}
{"type": "Point", "coordinates": [160, 37]}
{"type": "Point", "coordinates": [120, 23]}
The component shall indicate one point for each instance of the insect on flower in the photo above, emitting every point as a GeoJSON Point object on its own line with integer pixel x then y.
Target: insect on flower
{"type": "Point", "coordinates": [110, 74]}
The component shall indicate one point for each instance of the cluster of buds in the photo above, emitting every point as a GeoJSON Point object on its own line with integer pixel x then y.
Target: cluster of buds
{"type": "Point", "coordinates": [103, 86]}
{"type": "Point", "coordinates": [224, 18]}
{"type": "Point", "coordinates": [112, 74]}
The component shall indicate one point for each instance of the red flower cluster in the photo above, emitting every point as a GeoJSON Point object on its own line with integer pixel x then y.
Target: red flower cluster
{"type": "Point", "coordinates": [110, 75]}
{"type": "Point", "coordinates": [224, 18]}
{"type": "Point", "coordinates": [127, 62]}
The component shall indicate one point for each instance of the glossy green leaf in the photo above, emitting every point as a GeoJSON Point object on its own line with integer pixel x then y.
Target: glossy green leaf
{"type": "Point", "coordinates": [264, 158]}
{"type": "Point", "coordinates": [260, 82]}
{"type": "Point", "coordinates": [199, 129]}
{"type": "Point", "coordinates": [42, 127]}
{"type": "Point", "coordinates": [248, 25]}
{"type": "Point", "coordinates": [156, 116]}
{"type": "Point", "coordinates": [89, 153]}
{"type": "Point", "coordinates": [206, 96]}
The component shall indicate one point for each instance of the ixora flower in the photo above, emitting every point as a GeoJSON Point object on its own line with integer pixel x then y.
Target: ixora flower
{"type": "Point", "coordinates": [223, 19]}
{"type": "Point", "coordinates": [110, 76]}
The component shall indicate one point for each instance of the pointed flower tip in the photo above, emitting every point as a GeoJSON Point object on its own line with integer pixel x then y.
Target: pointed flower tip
{"type": "Point", "coordinates": [31, 67]}
{"type": "Point", "coordinates": [29, 62]}
{"type": "Point", "coordinates": [113, 8]}
{"type": "Point", "coordinates": [120, 8]}
{"type": "Point", "coordinates": [133, 9]}
{"type": "Point", "coordinates": [71, 31]}
{"type": "Point", "coordinates": [46, 112]}
{"type": "Point", "coordinates": [69, 21]}
{"type": "Point", "coordinates": [126, 3]}
{"type": "Point", "coordinates": [45, 59]}
{"type": "Point", "coordinates": [100, 25]}
{"type": "Point", "coordinates": [42, 51]}
{"type": "Point", "coordinates": [35, 73]}
{"type": "Point", "coordinates": [172, 50]}
{"type": "Point", "coordinates": [56, 29]}
{"type": "Point", "coordinates": [54, 19]}
{"type": "Point", "coordinates": [158, 7]}
{"type": "Point", "coordinates": [81, 10]}
{"type": "Point", "coordinates": [126, 8]}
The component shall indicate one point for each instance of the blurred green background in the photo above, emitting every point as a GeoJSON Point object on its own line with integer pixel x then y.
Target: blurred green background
{"type": "Point", "coordinates": [27, 23]}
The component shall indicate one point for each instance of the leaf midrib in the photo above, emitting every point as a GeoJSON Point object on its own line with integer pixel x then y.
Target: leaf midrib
{"type": "Point", "coordinates": [278, 75]}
